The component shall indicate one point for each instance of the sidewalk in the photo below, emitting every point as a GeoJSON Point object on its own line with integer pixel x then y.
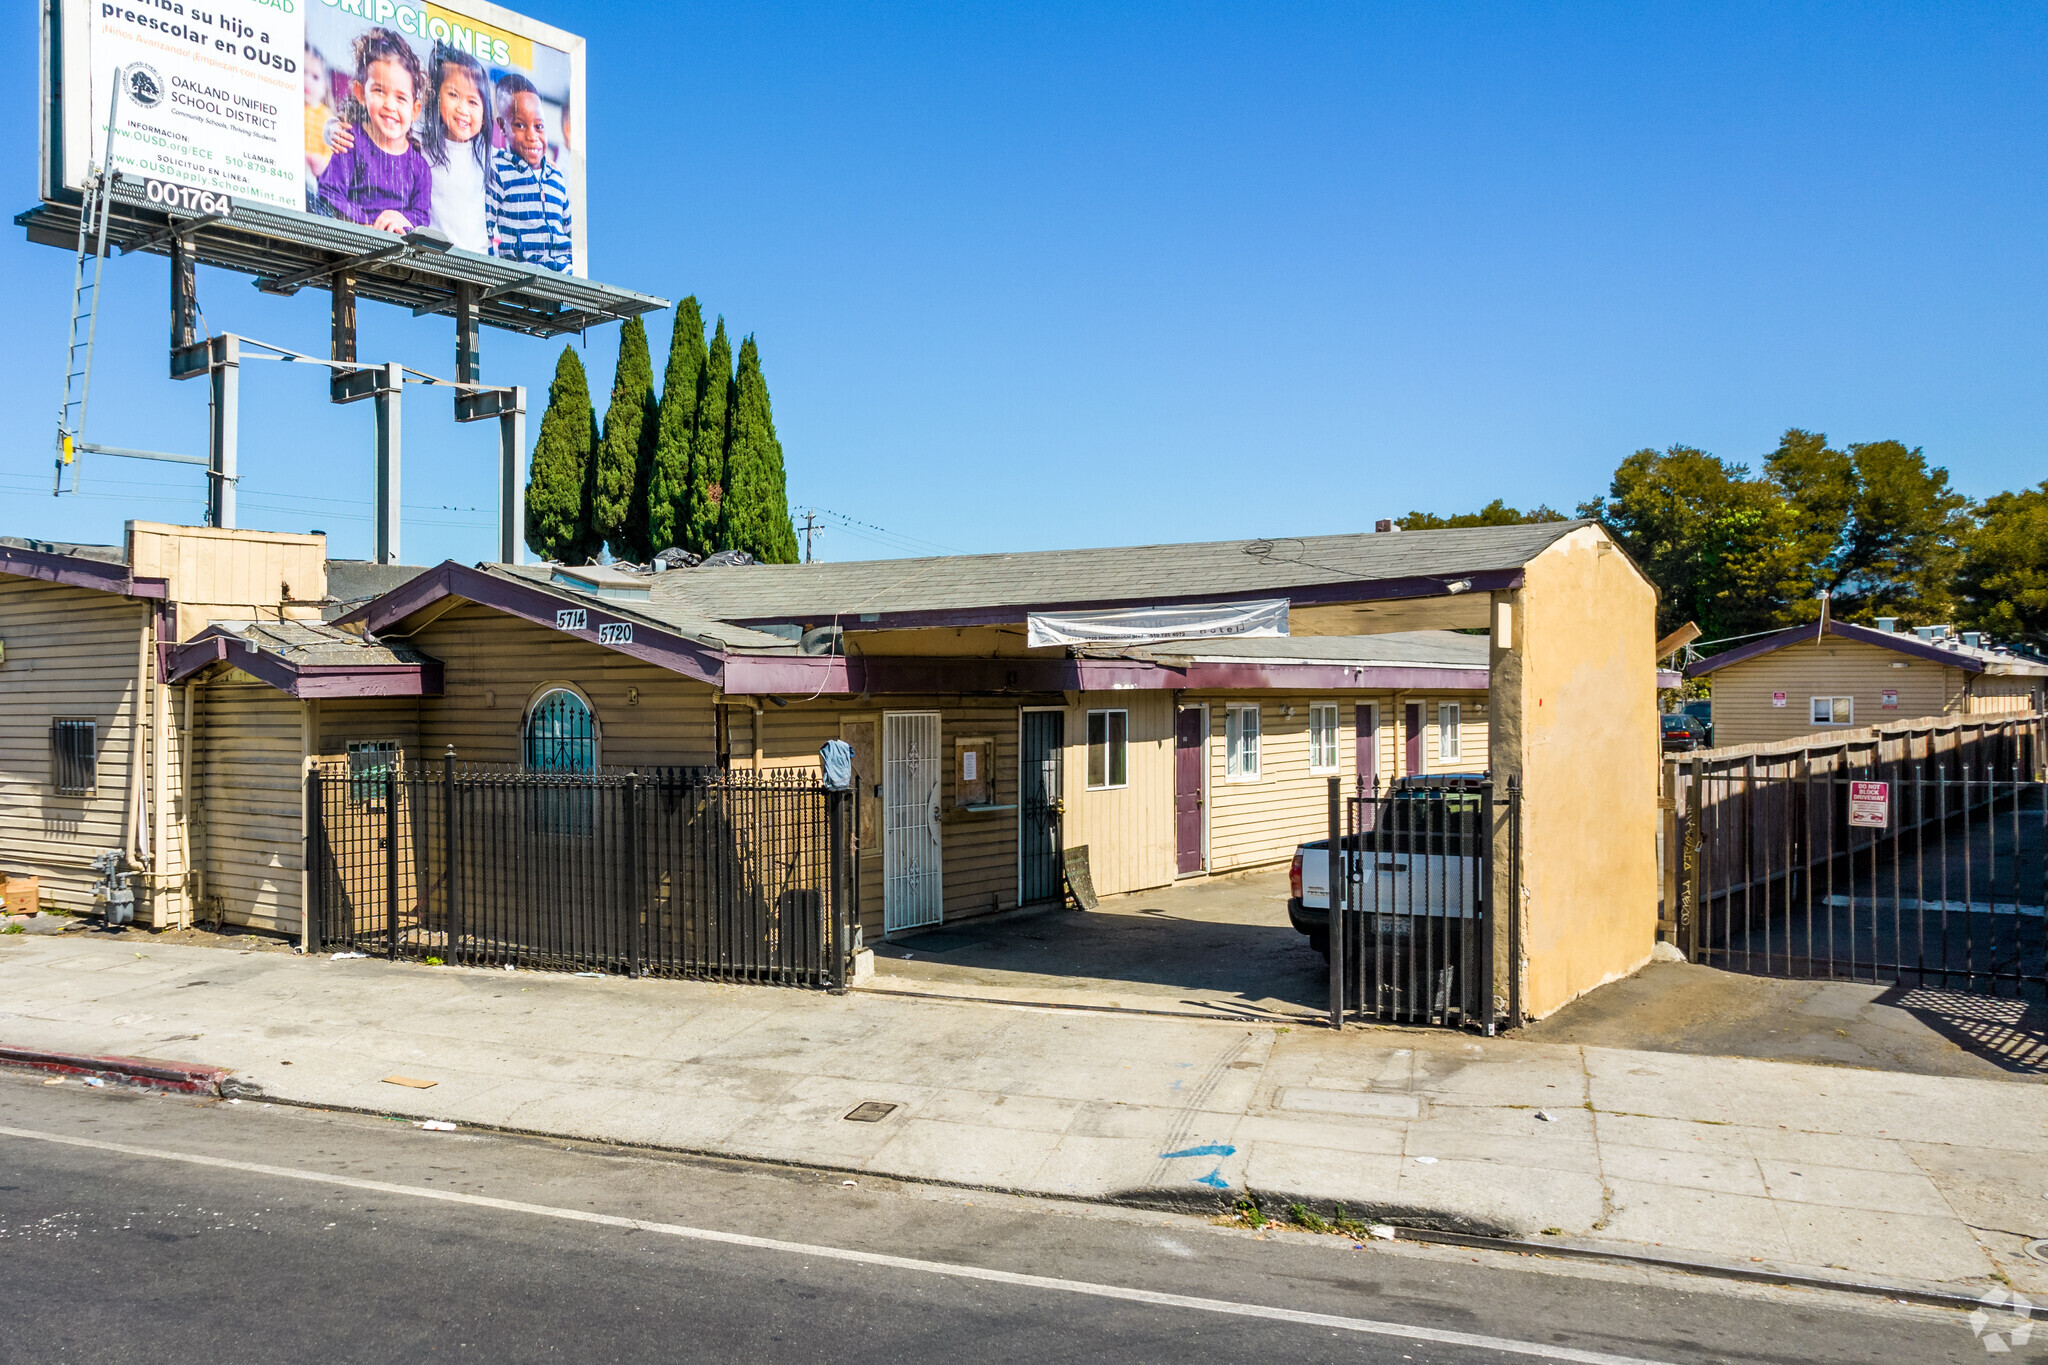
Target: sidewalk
{"type": "Point", "coordinates": [1931, 1181]}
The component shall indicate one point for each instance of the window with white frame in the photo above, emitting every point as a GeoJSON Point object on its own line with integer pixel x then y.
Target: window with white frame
{"type": "Point", "coordinates": [1108, 749]}
{"type": "Point", "coordinates": [1834, 710]}
{"type": "Point", "coordinates": [1241, 744]}
{"type": "Point", "coordinates": [1447, 730]}
{"type": "Point", "coordinates": [1322, 737]}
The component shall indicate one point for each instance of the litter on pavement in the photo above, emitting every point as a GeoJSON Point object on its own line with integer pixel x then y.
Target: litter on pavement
{"type": "Point", "coordinates": [94, 1080]}
{"type": "Point", "coordinates": [435, 1125]}
{"type": "Point", "coordinates": [1382, 1231]}
{"type": "Point", "coordinates": [415, 1082]}
{"type": "Point", "coordinates": [339, 956]}
{"type": "Point", "coordinates": [1544, 1116]}
{"type": "Point", "coordinates": [1427, 1160]}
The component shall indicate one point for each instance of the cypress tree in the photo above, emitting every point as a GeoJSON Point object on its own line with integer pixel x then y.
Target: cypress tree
{"type": "Point", "coordinates": [707, 449]}
{"type": "Point", "coordinates": [557, 481]}
{"type": "Point", "coordinates": [756, 510]}
{"type": "Point", "coordinates": [625, 457]}
{"type": "Point", "coordinates": [668, 491]}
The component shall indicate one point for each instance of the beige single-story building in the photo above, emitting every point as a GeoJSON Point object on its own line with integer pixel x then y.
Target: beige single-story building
{"type": "Point", "coordinates": [1813, 679]}
{"type": "Point", "coordinates": [1000, 709]}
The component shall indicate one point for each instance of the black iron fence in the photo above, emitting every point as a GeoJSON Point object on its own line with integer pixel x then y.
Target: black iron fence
{"type": "Point", "coordinates": [1893, 873]}
{"type": "Point", "coordinates": [674, 871]}
{"type": "Point", "coordinates": [1412, 936]}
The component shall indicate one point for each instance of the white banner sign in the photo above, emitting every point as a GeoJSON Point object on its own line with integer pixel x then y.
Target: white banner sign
{"type": "Point", "coordinates": [1149, 625]}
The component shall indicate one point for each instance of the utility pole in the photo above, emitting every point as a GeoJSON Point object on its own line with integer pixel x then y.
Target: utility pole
{"type": "Point", "coordinates": [810, 528]}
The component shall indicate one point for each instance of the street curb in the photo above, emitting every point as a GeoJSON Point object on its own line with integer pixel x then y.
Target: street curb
{"type": "Point", "coordinates": [1148, 1201]}
{"type": "Point", "coordinates": [1720, 1270]}
{"type": "Point", "coordinates": [186, 1078]}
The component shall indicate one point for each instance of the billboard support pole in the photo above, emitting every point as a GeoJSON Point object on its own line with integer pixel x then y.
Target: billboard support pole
{"type": "Point", "coordinates": [511, 488]}
{"type": "Point", "coordinates": [342, 329]}
{"type": "Point", "coordinates": [469, 358]}
{"type": "Point", "coordinates": [224, 375]}
{"type": "Point", "coordinates": [184, 295]}
{"type": "Point", "coordinates": [389, 391]}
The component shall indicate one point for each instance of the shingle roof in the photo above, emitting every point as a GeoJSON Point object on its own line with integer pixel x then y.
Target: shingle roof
{"type": "Point", "coordinates": [105, 554]}
{"type": "Point", "coordinates": [315, 643]}
{"type": "Point", "coordinates": [358, 580]}
{"type": "Point", "coordinates": [1051, 578]}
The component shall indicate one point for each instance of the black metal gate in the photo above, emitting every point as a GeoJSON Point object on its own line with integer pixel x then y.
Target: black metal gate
{"type": "Point", "coordinates": [1039, 806]}
{"type": "Point", "coordinates": [675, 871]}
{"type": "Point", "coordinates": [1412, 939]}
{"type": "Point", "coordinates": [1884, 873]}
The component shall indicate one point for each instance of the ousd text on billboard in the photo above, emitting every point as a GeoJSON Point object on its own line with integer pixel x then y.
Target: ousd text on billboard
{"type": "Point", "coordinates": [461, 117]}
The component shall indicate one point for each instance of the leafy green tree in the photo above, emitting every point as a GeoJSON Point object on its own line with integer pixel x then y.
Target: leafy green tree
{"type": "Point", "coordinates": [756, 510]}
{"type": "Point", "coordinates": [1874, 527]}
{"type": "Point", "coordinates": [1495, 513]}
{"type": "Point", "coordinates": [1708, 535]}
{"type": "Point", "coordinates": [558, 480]}
{"type": "Point", "coordinates": [625, 457]}
{"type": "Point", "coordinates": [706, 501]}
{"type": "Point", "coordinates": [2004, 579]}
{"type": "Point", "coordinates": [668, 490]}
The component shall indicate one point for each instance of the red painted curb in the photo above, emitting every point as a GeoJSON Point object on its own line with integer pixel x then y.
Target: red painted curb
{"type": "Point", "coordinates": [189, 1078]}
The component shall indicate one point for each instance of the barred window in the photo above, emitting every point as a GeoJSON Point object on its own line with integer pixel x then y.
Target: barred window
{"type": "Point", "coordinates": [369, 768]}
{"type": "Point", "coordinates": [74, 756]}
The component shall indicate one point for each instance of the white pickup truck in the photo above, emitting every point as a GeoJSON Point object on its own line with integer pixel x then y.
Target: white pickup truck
{"type": "Point", "coordinates": [1421, 865]}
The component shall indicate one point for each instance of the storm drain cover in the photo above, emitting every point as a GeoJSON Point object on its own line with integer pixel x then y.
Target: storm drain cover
{"type": "Point", "coordinates": [870, 1111]}
{"type": "Point", "coordinates": [2038, 1249]}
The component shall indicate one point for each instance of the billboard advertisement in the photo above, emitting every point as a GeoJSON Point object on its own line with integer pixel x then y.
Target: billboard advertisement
{"type": "Point", "coordinates": [393, 114]}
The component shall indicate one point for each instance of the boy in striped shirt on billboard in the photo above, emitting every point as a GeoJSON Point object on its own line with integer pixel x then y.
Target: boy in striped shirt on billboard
{"type": "Point", "coordinates": [527, 203]}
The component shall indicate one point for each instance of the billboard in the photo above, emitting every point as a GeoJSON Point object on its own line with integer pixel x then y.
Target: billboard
{"type": "Point", "coordinates": [395, 114]}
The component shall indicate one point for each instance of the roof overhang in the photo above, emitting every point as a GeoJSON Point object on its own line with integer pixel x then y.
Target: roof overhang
{"type": "Point", "coordinates": [450, 582]}
{"type": "Point", "coordinates": [183, 661]}
{"type": "Point", "coordinates": [1795, 635]}
{"type": "Point", "coordinates": [76, 571]}
{"type": "Point", "coordinates": [766, 675]}
{"type": "Point", "coordinates": [1478, 584]}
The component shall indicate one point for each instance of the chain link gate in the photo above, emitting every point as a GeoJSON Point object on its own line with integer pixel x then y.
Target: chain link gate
{"type": "Point", "coordinates": [687, 872]}
{"type": "Point", "coordinates": [1412, 922]}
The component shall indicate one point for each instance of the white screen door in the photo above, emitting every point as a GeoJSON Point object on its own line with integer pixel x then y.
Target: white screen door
{"type": "Point", "coordinates": [910, 815]}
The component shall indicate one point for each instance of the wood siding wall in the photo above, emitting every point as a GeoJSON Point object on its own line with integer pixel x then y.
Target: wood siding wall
{"type": "Point", "coordinates": [495, 665]}
{"type": "Point", "coordinates": [71, 653]}
{"type": "Point", "coordinates": [1128, 830]}
{"type": "Point", "coordinates": [1259, 822]}
{"type": "Point", "coordinates": [2005, 694]}
{"type": "Point", "coordinates": [1836, 667]}
{"type": "Point", "coordinates": [250, 741]}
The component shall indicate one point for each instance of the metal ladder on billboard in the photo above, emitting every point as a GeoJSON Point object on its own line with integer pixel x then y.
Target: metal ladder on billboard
{"type": "Point", "coordinates": [93, 213]}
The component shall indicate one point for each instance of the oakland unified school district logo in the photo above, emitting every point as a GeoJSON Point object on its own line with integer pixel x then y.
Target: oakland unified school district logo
{"type": "Point", "coordinates": [143, 85]}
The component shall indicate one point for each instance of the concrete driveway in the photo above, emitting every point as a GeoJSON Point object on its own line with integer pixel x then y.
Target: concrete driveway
{"type": "Point", "coordinates": [1216, 948]}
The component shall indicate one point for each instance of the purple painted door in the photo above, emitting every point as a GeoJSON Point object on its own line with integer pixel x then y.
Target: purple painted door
{"type": "Point", "coordinates": [1190, 759]}
{"type": "Point", "coordinates": [1412, 722]}
{"type": "Point", "coordinates": [1365, 728]}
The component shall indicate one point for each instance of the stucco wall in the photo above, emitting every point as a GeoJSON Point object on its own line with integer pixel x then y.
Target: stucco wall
{"type": "Point", "coordinates": [1575, 715]}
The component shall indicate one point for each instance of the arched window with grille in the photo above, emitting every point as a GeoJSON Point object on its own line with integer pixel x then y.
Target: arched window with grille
{"type": "Point", "coordinates": [561, 735]}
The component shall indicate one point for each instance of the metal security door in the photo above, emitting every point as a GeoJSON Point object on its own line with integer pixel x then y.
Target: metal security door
{"type": "Point", "coordinates": [1042, 735]}
{"type": "Point", "coordinates": [1190, 782]}
{"type": "Point", "coordinates": [911, 896]}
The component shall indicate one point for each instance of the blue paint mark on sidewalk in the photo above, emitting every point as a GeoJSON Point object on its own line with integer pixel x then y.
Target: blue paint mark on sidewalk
{"type": "Point", "coordinates": [1214, 1180]}
{"type": "Point", "coordinates": [1213, 1149]}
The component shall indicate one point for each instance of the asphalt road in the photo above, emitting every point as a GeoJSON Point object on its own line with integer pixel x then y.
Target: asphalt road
{"type": "Point", "coordinates": [137, 1228]}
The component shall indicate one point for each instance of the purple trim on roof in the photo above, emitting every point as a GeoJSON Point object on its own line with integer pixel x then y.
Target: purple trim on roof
{"type": "Point", "coordinates": [311, 680]}
{"type": "Point", "coordinates": [72, 571]}
{"type": "Point", "coordinates": [657, 644]}
{"type": "Point", "coordinates": [1313, 595]}
{"type": "Point", "coordinates": [763, 675]}
{"type": "Point", "coordinates": [1335, 677]}
{"type": "Point", "coordinates": [1793, 635]}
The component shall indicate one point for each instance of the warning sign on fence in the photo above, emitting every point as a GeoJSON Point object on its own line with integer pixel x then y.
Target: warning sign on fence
{"type": "Point", "coordinates": [1870, 804]}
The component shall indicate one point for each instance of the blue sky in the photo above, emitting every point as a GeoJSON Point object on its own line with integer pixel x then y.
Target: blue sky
{"type": "Point", "coordinates": [1029, 277]}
